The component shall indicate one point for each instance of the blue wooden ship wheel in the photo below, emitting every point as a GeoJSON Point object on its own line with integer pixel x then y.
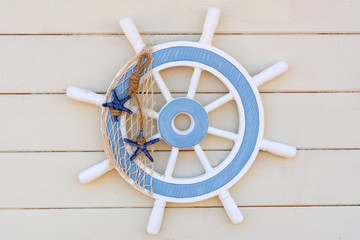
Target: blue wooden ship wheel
{"type": "Point", "coordinates": [247, 140]}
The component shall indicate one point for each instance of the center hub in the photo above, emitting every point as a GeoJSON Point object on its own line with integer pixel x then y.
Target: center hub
{"type": "Point", "coordinates": [199, 123]}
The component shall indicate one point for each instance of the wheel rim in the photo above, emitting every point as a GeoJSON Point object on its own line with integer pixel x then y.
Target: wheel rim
{"type": "Point", "coordinates": [190, 189]}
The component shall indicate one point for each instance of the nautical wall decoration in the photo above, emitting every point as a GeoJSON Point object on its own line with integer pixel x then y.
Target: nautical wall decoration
{"type": "Point", "coordinates": [131, 128]}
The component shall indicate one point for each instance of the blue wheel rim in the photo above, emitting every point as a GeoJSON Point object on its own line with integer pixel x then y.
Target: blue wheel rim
{"type": "Point", "coordinates": [251, 131]}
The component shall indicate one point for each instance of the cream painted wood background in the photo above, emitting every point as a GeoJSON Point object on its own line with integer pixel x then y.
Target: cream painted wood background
{"type": "Point", "coordinates": [47, 139]}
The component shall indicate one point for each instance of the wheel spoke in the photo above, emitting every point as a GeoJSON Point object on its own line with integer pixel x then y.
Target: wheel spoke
{"type": "Point", "coordinates": [171, 163]}
{"type": "Point", "coordinates": [279, 149]}
{"type": "Point", "coordinates": [211, 21]}
{"type": "Point", "coordinates": [270, 73]}
{"type": "Point", "coordinates": [157, 135]}
{"type": "Point", "coordinates": [162, 86]}
{"type": "Point", "coordinates": [132, 34]}
{"type": "Point", "coordinates": [222, 133]}
{"type": "Point", "coordinates": [203, 159]}
{"type": "Point", "coordinates": [194, 83]}
{"type": "Point", "coordinates": [231, 208]}
{"type": "Point", "coordinates": [148, 112]}
{"type": "Point", "coordinates": [83, 95]}
{"type": "Point", "coordinates": [218, 102]}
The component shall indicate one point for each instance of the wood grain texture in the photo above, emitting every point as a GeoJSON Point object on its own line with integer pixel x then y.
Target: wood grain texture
{"type": "Point", "coordinates": [284, 16]}
{"type": "Point", "coordinates": [180, 223]}
{"type": "Point", "coordinates": [49, 180]}
{"type": "Point", "coordinates": [306, 120]}
{"type": "Point", "coordinates": [49, 64]}
{"type": "Point", "coordinates": [46, 139]}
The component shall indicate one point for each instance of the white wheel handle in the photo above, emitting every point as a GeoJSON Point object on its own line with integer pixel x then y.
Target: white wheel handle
{"type": "Point", "coordinates": [270, 73]}
{"type": "Point", "coordinates": [231, 208]}
{"type": "Point", "coordinates": [211, 21]}
{"type": "Point", "coordinates": [94, 172]}
{"type": "Point", "coordinates": [279, 149]}
{"type": "Point", "coordinates": [84, 95]}
{"type": "Point", "coordinates": [132, 34]}
{"type": "Point", "coordinates": [156, 217]}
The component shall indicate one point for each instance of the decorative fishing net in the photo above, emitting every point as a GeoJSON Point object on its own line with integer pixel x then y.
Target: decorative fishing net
{"type": "Point", "coordinates": [119, 125]}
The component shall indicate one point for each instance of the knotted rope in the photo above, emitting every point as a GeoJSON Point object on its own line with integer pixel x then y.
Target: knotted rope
{"type": "Point", "coordinates": [115, 112]}
{"type": "Point", "coordinates": [143, 62]}
{"type": "Point", "coordinates": [139, 68]}
{"type": "Point", "coordinates": [133, 81]}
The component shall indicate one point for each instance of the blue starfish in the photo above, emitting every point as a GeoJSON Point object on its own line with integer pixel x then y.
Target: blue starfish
{"type": "Point", "coordinates": [141, 147]}
{"type": "Point", "coordinates": [117, 104]}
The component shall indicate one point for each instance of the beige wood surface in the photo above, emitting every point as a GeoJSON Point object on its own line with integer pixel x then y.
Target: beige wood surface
{"type": "Point", "coordinates": [278, 16]}
{"type": "Point", "coordinates": [49, 64]}
{"type": "Point", "coordinates": [49, 122]}
{"type": "Point", "coordinates": [312, 178]}
{"type": "Point", "coordinates": [182, 223]}
{"type": "Point", "coordinates": [47, 139]}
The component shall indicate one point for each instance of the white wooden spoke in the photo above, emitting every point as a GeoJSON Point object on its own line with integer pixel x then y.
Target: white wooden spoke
{"type": "Point", "coordinates": [84, 95]}
{"type": "Point", "coordinates": [231, 208]}
{"type": "Point", "coordinates": [270, 73]}
{"type": "Point", "coordinates": [222, 133]}
{"type": "Point", "coordinates": [156, 217]}
{"type": "Point", "coordinates": [219, 102]}
{"type": "Point", "coordinates": [211, 21]}
{"type": "Point", "coordinates": [279, 149]}
{"type": "Point", "coordinates": [94, 172]}
{"type": "Point", "coordinates": [157, 135]}
{"type": "Point", "coordinates": [203, 159]}
{"type": "Point", "coordinates": [162, 86]}
{"type": "Point", "coordinates": [148, 112]}
{"type": "Point", "coordinates": [194, 82]}
{"type": "Point", "coordinates": [132, 34]}
{"type": "Point", "coordinates": [171, 163]}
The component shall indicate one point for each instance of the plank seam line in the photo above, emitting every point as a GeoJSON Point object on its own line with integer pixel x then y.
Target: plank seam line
{"type": "Point", "coordinates": [177, 33]}
{"type": "Point", "coordinates": [168, 207]}
{"type": "Point", "coordinates": [155, 92]}
{"type": "Point", "coordinates": [183, 150]}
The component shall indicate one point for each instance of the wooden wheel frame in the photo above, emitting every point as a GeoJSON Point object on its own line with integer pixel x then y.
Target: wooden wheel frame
{"type": "Point", "coordinates": [248, 140]}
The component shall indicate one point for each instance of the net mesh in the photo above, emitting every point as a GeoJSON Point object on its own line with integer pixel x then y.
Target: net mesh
{"type": "Point", "coordinates": [129, 125]}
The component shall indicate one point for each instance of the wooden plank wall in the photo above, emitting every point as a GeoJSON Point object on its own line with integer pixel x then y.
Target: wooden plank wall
{"type": "Point", "coordinates": [47, 139]}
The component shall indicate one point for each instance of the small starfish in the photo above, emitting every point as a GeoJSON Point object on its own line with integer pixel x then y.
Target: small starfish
{"type": "Point", "coordinates": [117, 104]}
{"type": "Point", "coordinates": [141, 147]}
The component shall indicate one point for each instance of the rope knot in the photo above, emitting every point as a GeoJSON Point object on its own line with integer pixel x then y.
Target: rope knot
{"type": "Point", "coordinates": [115, 112]}
{"type": "Point", "coordinates": [140, 141]}
{"type": "Point", "coordinates": [134, 82]}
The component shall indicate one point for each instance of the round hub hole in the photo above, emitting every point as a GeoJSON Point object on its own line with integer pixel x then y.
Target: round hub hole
{"type": "Point", "coordinates": [183, 123]}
